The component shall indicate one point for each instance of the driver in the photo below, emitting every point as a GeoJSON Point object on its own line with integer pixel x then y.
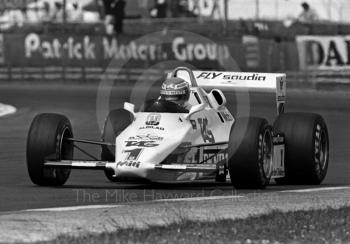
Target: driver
{"type": "Point", "coordinates": [176, 90]}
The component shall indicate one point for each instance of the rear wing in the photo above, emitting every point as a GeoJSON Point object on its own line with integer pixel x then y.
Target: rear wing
{"type": "Point", "coordinates": [237, 81]}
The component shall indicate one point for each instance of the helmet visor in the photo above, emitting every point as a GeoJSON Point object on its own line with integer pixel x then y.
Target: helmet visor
{"type": "Point", "coordinates": [172, 95]}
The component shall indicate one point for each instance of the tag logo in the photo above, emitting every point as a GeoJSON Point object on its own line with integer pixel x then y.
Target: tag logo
{"type": "Point", "coordinates": [141, 144]}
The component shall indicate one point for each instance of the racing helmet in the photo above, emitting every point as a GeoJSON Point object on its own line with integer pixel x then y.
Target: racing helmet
{"type": "Point", "coordinates": [175, 90]}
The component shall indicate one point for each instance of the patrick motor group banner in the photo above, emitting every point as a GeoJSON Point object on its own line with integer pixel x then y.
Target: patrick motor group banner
{"type": "Point", "coordinates": [74, 56]}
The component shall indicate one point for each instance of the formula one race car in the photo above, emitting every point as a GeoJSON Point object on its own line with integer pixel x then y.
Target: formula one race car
{"type": "Point", "coordinates": [164, 144]}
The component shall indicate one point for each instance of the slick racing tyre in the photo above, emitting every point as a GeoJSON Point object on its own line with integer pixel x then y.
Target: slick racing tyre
{"type": "Point", "coordinates": [307, 147]}
{"type": "Point", "coordinates": [116, 121]}
{"type": "Point", "coordinates": [46, 141]}
{"type": "Point", "coordinates": [250, 153]}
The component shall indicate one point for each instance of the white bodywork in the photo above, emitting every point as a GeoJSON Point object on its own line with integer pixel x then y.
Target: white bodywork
{"type": "Point", "coordinates": [140, 146]}
{"type": "Point", "coordinates": [143, 148]}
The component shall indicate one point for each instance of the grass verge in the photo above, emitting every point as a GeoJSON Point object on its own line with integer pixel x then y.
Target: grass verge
{"type": "Point", "coordinates": [316, 226]}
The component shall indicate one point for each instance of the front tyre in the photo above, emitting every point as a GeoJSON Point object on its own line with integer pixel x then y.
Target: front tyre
{"type": "Point", "coordinates": [116, 121]}
{"type": "Point", "coordinates": [307, 147]}
{"type": "Point", "coordinates": [250, 153]}
{"type": "Point", "coordinates": [46, 141]}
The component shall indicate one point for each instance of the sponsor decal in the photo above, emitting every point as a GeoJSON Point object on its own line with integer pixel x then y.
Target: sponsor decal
{"type": "Point", "coordinates": [214, 158]}
{"type": "Point", "coordinates": [226, 116]}
{"type": "Point", "coordinates": [324, 52]}
{"type": "Point", "coordinates": [114, 49]}
{"type": "Point", "coordinates": [50, 47]}
{"type": "Point", "coordinates": [174, 86]}
{"type": "Point", "coordinates": [153, 119]}
{"type": "Point", "coordinates": [232, 77]}
{"type": "Point", "coordinates": [281, 85]}
{"type": "Point", "coordinates": [151, 127]}
{"type": "Point", "coordinates": [194, 124]}
{"type": "Point", "coordinates": [90, 47]}
{"type": "Point", "coordinates": [184, 50]}
{"type": "Point", "coordinates": [209, 75]}
{"type": "Point", "coordinates": [146, 137]}
{"type": "Point", "coordinates": [134, 164]}
{"type": "Point", "coordinates": [141, 144]}
{"type": "Point", "coordinates": [244, 77]}
{"type": "Point", "coordinates": [207, 134]}
{"type": "Point", "coordinates": [221, 168]}
{"type": "Point", "coordinates": [56, 49]}
{"type": "Point", "coordinates": [278, 140]}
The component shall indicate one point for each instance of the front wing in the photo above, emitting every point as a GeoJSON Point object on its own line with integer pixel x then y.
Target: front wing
{"type": "Point", "coordinates": [102, 165]}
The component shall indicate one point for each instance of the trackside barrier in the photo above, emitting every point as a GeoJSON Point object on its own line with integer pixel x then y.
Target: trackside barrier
{"type": "Point", "coordinates": [48, 54]}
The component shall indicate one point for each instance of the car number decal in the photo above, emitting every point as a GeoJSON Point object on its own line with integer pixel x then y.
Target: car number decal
{"type": "Point", "coordinates": [133, 154]}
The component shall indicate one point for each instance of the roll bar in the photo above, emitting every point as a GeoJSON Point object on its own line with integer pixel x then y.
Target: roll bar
{"type": "Point", "coordinates": [190, 73]}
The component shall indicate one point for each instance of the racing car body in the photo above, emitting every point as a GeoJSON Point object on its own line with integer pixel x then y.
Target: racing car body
{"type": "Point", "coordinates": [166, 144]}
{"type": "Point", "coordinates": [157, 141]}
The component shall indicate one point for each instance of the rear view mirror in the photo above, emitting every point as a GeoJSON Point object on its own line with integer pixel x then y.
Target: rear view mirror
{"type": "Point", "coordinates": [130, 107]}
{"type": "Point", "coordinates": [195, 109]}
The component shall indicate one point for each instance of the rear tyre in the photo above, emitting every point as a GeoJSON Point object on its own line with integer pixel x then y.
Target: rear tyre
{"type": "Point", "coordinates": [116, 121]}
{"type": "Point", "coordinates": [46, 141]}
{"type": "Point", "coordinates": [250, 153]}
{"type": "Point", "coordinates": [307, 147]}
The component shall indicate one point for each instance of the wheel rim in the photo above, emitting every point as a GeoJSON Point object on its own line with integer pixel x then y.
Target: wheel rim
{"type": "Point", "coordinates": [65, 153]}
{"type": "Point", "coordinates": [267, 159]}
{"type": "Point", "coordinates": [321, 148]}
{"type": "Point", "coordinates": [66, 146]}
{"type": "Point", "coordinates": [65, 150]}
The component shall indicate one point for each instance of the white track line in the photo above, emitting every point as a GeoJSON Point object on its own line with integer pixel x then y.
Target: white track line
{"type": "Point", "coordinates": [192, 199]}
{"type": "Point", "coordinates": [72, 208]}
{"type": "Point", "coordinates": [318, 189]}
{"type": "Point", "coordinates": [6, 109]}
{"type": "Point", "coordinates": [75, 208]}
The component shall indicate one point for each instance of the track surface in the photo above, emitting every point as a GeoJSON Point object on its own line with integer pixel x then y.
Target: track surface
{"type": "Point", "coordinates": [91, 187]}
